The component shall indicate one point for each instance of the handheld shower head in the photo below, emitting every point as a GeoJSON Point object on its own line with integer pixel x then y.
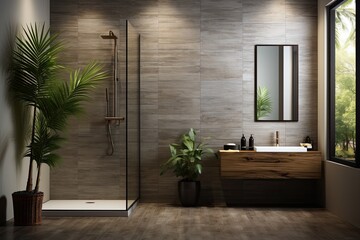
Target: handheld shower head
{"type": "Point", "coordinates": [111, 35]}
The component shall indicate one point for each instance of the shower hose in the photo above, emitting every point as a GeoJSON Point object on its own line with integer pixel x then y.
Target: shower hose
{"type": "Point", "coordinates": [110, 149]}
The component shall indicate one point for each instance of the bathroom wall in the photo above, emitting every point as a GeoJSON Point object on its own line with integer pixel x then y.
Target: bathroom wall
{"type": "Point", "coordinates": [13, 172]}
{"type": "Point", "coordinates": [197, 71]}
{"type": "Point", "coordinates": [342, 183]}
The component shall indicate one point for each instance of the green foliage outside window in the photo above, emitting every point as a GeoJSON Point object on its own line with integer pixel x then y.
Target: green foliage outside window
{"type": "Point", "coordinates": [345, 88]}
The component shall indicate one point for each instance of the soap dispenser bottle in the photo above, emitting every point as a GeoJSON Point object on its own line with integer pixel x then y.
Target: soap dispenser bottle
{"type": "Point", "coordinates": [251, 142]}
{"type": "Point", "coordinates": [243, 143]}
{"type": "Point", "coordinates": [308, 140]}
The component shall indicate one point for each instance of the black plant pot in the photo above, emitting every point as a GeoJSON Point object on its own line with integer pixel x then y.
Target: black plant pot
{"type": "Point", "coordinates": [189, 192]}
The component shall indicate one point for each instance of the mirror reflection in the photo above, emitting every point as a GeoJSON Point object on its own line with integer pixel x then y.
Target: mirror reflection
{"type": "Point", "coordinates": [276, 83]}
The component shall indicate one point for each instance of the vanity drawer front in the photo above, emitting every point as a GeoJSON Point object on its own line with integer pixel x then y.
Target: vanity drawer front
{"type": "Point", "coordinates": [270, 165]}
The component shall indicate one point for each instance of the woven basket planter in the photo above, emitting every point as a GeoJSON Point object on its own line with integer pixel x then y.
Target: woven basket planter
{"type": "Point", "coordinates": [27, 208]}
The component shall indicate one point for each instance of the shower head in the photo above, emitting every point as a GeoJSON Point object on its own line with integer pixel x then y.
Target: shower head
{"type": "Point", "coordinates": [111, 35]}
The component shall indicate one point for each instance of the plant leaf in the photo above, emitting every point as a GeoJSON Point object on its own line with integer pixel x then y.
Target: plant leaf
{"type": "Point", "coordinates": [186, 161]}
{"type": "Point", "coordinates": [263, 102]}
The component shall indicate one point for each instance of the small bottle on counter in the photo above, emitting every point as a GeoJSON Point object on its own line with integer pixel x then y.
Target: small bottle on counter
{"type": "Point", "coordinates": [251, 142]}
{"type": "Point", "coordinates": [243, 143]}
{"type": "Point", "coordinates": [310, 145]}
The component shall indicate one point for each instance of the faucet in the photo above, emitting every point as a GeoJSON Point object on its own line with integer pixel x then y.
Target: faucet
{"type": "Point", "coordinates": [277, 139]}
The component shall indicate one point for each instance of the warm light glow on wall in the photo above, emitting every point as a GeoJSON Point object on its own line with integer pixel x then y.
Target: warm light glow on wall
{"type": "Point", "coordinates": [27, 12]}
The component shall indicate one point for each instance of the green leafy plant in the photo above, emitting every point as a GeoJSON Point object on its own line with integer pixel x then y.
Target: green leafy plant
{"type": "Point", "coordinates": [345, 75]}
{"type": "Point", "coordinates": [185, 160]}
{"type": "Point", "coordinates": [35, 84]}
{"type": "Point", "coordinates": [263, 102]}
{"type": "Point", "coordinates": [345, 22]}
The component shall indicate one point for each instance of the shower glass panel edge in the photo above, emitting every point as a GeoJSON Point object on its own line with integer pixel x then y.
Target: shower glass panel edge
{"type": "Point", "coordinates": [132, 115]}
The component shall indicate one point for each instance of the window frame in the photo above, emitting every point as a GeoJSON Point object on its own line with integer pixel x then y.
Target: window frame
{"type": "Point", "coordinates": [331, 84]}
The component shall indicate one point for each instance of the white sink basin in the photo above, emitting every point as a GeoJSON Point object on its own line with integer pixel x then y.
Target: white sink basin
{"type": "Point", "coordinates": [280, 149]}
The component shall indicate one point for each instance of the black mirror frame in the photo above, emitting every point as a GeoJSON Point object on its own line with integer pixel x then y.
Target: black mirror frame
{"type": "Point", "coordinates": [295, 113]}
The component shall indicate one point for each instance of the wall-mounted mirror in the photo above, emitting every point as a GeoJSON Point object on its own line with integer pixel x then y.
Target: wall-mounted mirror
{"type": "Point", "coordinates": [276, 83]}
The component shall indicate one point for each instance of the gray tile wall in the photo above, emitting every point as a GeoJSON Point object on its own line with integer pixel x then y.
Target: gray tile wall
{"type": "Point", "coordinates": [197, 71]}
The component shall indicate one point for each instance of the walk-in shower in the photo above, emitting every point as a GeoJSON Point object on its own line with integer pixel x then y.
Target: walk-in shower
{"type": "Point", "coordinates": [100, 173]}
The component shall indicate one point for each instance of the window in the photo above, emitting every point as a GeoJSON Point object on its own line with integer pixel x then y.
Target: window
{"type": "Point", "coordinates": [344, 121]}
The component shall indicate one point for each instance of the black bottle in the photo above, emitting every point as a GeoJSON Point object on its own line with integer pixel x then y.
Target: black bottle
{"type": "Point", "coordinates": [251, 142]}
{"type": "Point", "coordinates": [308, 140]}
{"type": "Point", "coordinates": [243, 143]}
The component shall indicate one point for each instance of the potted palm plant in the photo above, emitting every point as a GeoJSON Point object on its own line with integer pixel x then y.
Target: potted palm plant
{"type": "Point", "coordinates": [186, 162]}
{"type": "Point", "coordinates": [34, 83]}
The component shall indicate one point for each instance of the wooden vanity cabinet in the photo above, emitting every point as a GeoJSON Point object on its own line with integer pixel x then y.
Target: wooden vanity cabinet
{"type": "Point", "coordinates": [252, 178]}
{"type": "Point", "coordinates": [270, 165]}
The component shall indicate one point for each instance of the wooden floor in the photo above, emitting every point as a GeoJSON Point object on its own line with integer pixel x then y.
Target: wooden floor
{"type": "Point", "coordinates": [160, 221]}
